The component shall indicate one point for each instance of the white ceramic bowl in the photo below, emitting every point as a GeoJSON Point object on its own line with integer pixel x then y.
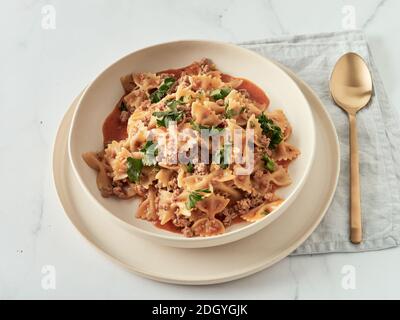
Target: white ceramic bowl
{"type": "Point", "coordinates": [103, 93]}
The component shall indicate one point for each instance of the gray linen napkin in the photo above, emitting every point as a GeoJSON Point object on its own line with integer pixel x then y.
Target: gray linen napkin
{"type": "Point", "coordinates": [312, 58]}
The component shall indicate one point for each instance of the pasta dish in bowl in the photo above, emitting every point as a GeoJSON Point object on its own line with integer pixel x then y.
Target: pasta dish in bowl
{"type": "Point", "coordinates": [200, 149]}
{"type": "Point", "coordinates": [193, 197]}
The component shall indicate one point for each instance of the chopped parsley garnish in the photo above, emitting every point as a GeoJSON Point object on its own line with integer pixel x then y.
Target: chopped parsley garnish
{"type": "Point", "coordinates": [195, 197]}
{"type": "Point", "coordinates": [150, 153]}
{"type": "Point", "coordinates": [175, 103]}
{"type": "Point", "coordinates": [242, 109]}
{"type": "Point", "coordinates": [135, 167]}
{"type": "Point", "coordinates": [221, 93]}
{"type": "Point", "coordinates": [173, 114]}
{"type": "Point", "coordinates": [190, 167]}
{"type": "Point", "coordinates": [198, 127]}
{"type": "Point", "coordinates": [229, 113]}
{"type": "Point", "coordinates": [221, 159]}
{"type": "Point", "coordinates": [161, 92]}
{"type": "Point", "coordinates": [211, 130]}
{"type": "Point", "coordinates": [271, 130]}
{"type": "Point", "coordinates": [122, 106]}
{"type": "Point", "coordinates": [147, 145]}
{"type": "Point", "coordinates": [269, 164]}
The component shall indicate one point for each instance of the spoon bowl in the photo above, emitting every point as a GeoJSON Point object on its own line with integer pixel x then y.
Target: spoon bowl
{"type": "Point", "coordinates": [351, 83]}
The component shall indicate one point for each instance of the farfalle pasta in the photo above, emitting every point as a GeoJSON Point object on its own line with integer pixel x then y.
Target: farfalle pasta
{"type": "Point", "coordinates": [156, 137]}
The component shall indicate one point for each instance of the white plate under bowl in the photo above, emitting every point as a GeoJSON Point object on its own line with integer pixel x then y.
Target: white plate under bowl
{"type": "Point", "coordinates": [105, 91]}
{"type": "Point", "coordinates": [209, 265]}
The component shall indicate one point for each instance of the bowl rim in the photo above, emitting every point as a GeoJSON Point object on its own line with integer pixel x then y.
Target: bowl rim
{"type": "Point", "coordinates": [224, 236]}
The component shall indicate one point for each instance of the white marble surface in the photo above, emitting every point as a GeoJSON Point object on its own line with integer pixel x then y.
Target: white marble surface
{"type": "Point", "coordinates": [41, 71]}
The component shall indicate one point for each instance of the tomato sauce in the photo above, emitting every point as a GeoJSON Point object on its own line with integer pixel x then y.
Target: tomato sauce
{"type": "Point", "coordinates": [255, 92]}
{"type": "Point", "coordinates": [113, 127]}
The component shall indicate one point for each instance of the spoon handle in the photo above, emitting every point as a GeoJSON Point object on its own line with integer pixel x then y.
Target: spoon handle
{"type": "Point", "coordinates": [355, 208]}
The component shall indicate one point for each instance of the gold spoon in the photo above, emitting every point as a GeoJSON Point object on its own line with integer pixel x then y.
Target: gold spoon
{"type": "Point", "coordinates": [351, 88]}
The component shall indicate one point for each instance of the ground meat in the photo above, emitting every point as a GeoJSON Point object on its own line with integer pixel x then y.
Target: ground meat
{"type": "Point", "coordinates": [270, 196]}
{"type": "Point", "coordinates": [181, 222]}
{"type": "Point", "coordinates": [227, 215]}
{"type": "Point", "coordinates": [262, 181]}
{"type": "Point", "coordinates": [145, 105]}
{"type": "Point", "coordinates": [201, 169]}
{"type": "Point", "coordinates": [146, 120]}
{"type": "Point", "coordinates": [125, 190]}
{"type": "Point", "coordinates": [184, 223]}
{"type": "Point", "coordinates": [100, 155]}
{"type": "Point", "coordinates": [249, 203]}
{"type": "Point", "coordinates": [241, 207]}
{"type": "Point", "coordinates": [119, 192]}
{"type": "Point", "coordinates": [124, 116]}
{"type": "Point", "coordinates": [207, 65]}
{"type": "Point", "coordinates": [188, 116]}
{"type": "Point", "coordinates": [185, 107]}
{"type": "Point", "coordinates": [258, 174]}
{"type": "Point", "coordinates": [119, 183]}
{"type": "Point", "coordinates": [173, 87]}
{"type": "Point", "coordinates": [106, 192]}
{"type": "Point", "coordinates": [258, 199]}
{"type": "Point", "coordinates": [264, 140]}
{"type": "Point", "coordinates": [259, 150]}
{"type": "Point", "coordinates": [244, 92]}
{"type": "Point", "coordinates": [187, 112]}
{"type": "Point", "coordinates": [187, 232]}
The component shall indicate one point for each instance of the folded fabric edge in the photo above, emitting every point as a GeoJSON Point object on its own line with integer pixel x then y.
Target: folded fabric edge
{"type": "Point", "coordinates": [345, 35]}
{"type": "Point", "coordinates": [388, 242]}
